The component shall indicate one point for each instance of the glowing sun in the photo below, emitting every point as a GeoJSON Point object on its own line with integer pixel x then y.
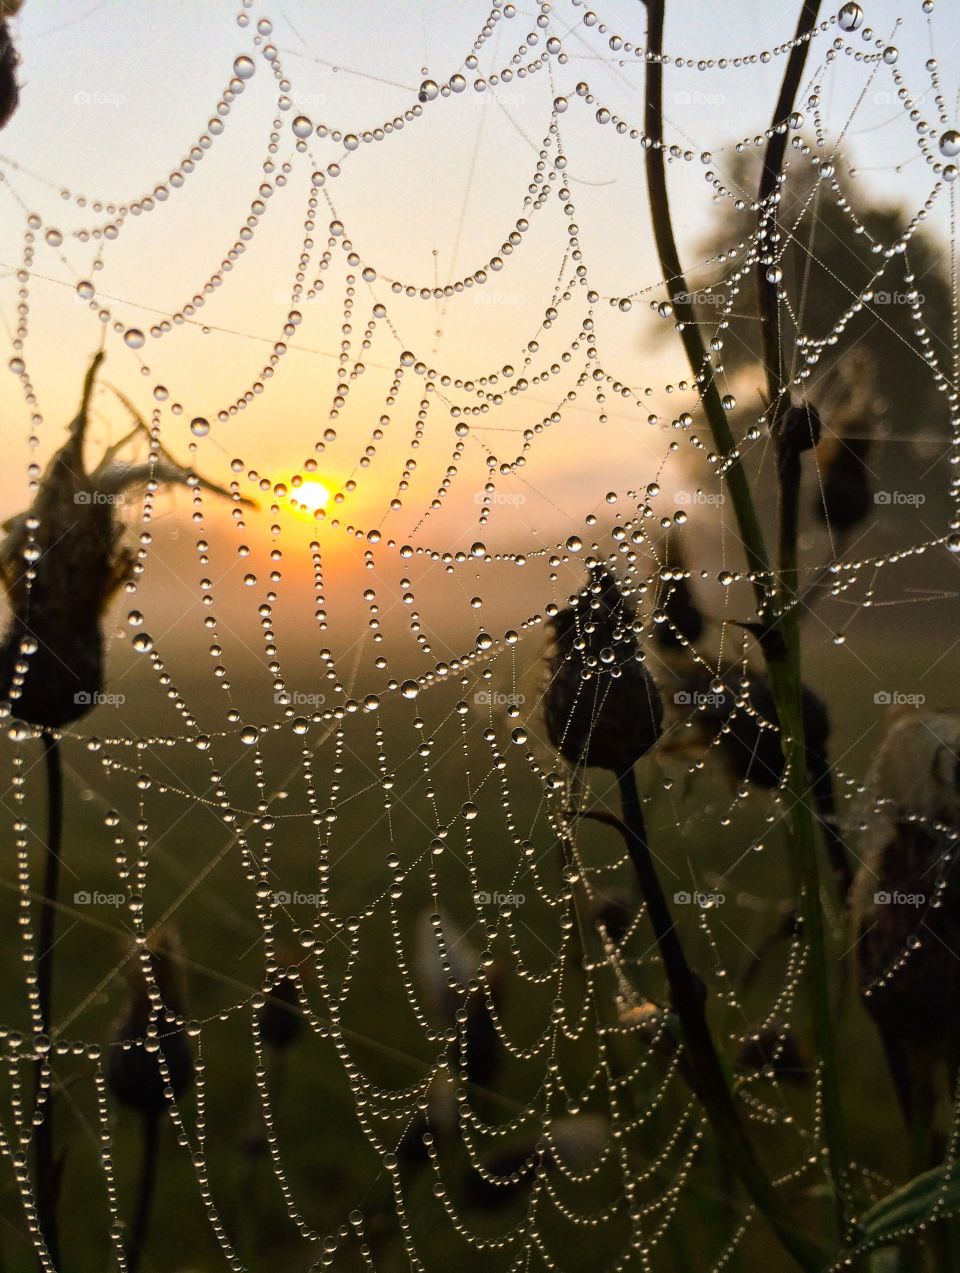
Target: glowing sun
{"type": "Point", "coordinates": [310, 497]}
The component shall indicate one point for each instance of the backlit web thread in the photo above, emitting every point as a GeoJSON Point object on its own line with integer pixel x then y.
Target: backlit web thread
{"type": "Point", "coordinates": [617, 1109]}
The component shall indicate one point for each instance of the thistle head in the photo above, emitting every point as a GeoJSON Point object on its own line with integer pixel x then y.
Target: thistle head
{"type": "Point", "coordinates": [601, 706]}
{"type": "Point", "coordinates": [150, 1026]}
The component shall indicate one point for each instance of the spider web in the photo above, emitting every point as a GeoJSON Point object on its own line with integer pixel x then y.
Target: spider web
{"type": "Point", "coordinates": [320, 754]}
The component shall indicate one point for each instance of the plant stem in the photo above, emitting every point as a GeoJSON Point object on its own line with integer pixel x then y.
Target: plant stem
{"type": "Point", "coordinates": [779, 645]}
{"type": "Point", "coordinates": [149, 1160]}
{"type": "Point", "coordinates": [784, 657]}
{"type": "Point", "coordinates": [687, 995]}
{"type": "Point", "coordinates": [47, 1183]}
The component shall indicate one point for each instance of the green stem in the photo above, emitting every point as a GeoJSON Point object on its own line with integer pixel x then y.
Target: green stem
{"type": "Point", "coordinates": [687, 996]}
{"type": "Point", "coordinates": [46, 1173]}
{"type": "Point", "coordinates": [149, 1160]}
{"type": "Point", "coordinates": [780, 649]}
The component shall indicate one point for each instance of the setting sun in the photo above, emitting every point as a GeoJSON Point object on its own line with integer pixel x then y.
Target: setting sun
{"type": "Point", "coordinates": [311, 497]}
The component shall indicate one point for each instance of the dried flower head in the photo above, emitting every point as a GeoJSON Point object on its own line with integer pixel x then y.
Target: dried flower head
{"type": "Point", "coordinates": [61, 562]}
{"type": "Point", "coordinates": [601, 706]}
{"type": "Point", "coordinates": [281, 1017]}
{"type": "Point", "coordinates": [684, 623]}
{"type": "Point", "coordinates": [149, 1025]}
{"type": "Point", "coordinates": [800, 427]}
{"type": "Point", "coordinates": [906, 898]}
{"type": "Point", "coordinates": [9, 89]}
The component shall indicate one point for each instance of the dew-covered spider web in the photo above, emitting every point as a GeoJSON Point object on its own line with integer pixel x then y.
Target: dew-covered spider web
{"type": "Point", "coordinates": [386, 277]}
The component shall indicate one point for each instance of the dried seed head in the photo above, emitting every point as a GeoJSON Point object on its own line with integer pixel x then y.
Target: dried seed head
{"type": "Point", "coordinates": [743, 714]}
{"type": "Point", "coordinates": [846, 495]}
{"type": "Point", "coordinates": [799, 428]}
{"type": "Point", "coordinates": [60, 564]}
{"type": "Point", "coordinates": [9, 91]}
{"type": "Point", "coordinates": [601, 706]}
{"type": "Point", "coordinates": [906, 898]}
{"type": "Point", "coordinates": [684, 620]}
{"type": "Point", "coordinates": [281, 1017]}
{"type": "Point", "coordinates": [145, 1028]}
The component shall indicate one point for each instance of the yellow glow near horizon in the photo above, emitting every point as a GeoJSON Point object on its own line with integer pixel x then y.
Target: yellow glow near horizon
{"type": "Point", "coordinates": [311, 496]}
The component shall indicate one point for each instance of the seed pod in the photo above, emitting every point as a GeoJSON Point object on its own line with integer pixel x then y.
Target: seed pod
{"type": "Point", "coordinates": [134, 1072]}
{"type": "Point", "coordinates": [9, 90]}
{"type": "Point", "coordinates": [846, 495]}
{"type": "Point", "coordinates": [799, 428]}
{"type": "Point", "coordinates": [60, 564]}
{"type": "Point", "coordinates": [601, 706]}
{"type": "Point", "coordinates": [742, 713]}
{"type": "Point", "coordinates": [281, 1017]}
{"type": "Point", "coordinates": [906, 899]}
{"type": "Point", "coordinates": [684, 620]}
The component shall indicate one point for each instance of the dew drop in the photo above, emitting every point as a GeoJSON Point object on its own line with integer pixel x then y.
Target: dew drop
{"type": "Point", "coordinates": [950, 143]}
{"type": "Point", "coordinates": [302, 126]}
{"type": "Point", "coordinates": [134, 338]}
{"type": "Point", "coordinates": [850, 17]}
{"type": "Point", "coordinates": [243, 67]}
{"type": "Point", "coordinates": [199, 426]}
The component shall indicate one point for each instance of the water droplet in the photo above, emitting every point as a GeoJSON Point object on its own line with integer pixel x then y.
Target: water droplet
{"type": "Point", "coordinates": [850, 17]}
{"type": "Point", "coordinates": [950, 143]}
{"type": "Point", "coordinates": [54, 238]}
{"type": "Point", "coordinates": [574, 544]}
{"type": "Point", "coordinates": [409, 689]}
{"type": "Point", "coordinates": [302, 126]}
{"type": "Point", "coordinates": [199, 426]}
{"type": "Point", "coordinates": [143, 642]}
{"type": "Point", "coordinates": [243, 67]}
{"type": "Point", "coordinates": [135, 619]}
{"type": "Point", "coordinates": [249, 735]}
{"type": "Point", "coordinates": [85, 289]}
{"type": "Point", "coordinates": [428, 91]}
{"type": "Point", "coordinates": [774, 274]}
{"type": "Point", "coordinates": [134, 338]}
